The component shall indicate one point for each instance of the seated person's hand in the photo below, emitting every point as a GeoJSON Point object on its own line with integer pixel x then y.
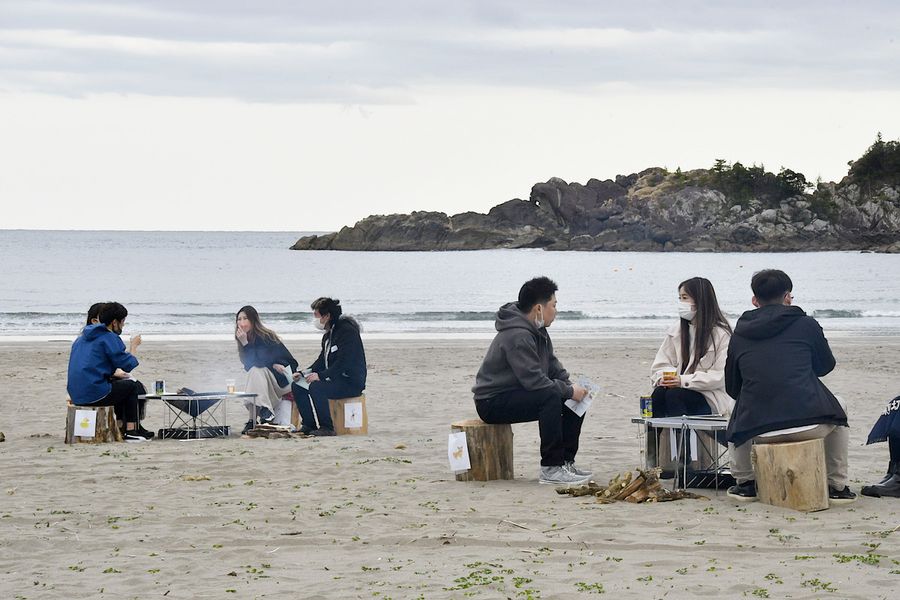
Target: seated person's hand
{"type": "Point", "coordinates": [241, 336]}
{"type": "Point", "coordinates": [578, 393]}
{"type": "Point", "coordinates": [671, 382]}
{"type": "Point", "coordinates": [120, 374]}
{"type": "Point", "coordinates": [135, 342]}
{"type": "Point", "coordinates": [312, 377]}
{"type": "Point", "coordinates": [278, 368]}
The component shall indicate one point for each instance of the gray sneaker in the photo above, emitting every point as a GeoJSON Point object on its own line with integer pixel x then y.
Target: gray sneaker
{"type": "Point", "coordinates": [571, 468]}
{"type": "Point", "coordinates": [560, 476]}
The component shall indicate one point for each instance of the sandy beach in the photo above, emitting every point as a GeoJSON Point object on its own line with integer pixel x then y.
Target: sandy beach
{"type": "Point", "coordinates": [382, 517]}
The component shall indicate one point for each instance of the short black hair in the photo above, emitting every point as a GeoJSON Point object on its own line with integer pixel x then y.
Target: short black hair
{"type": "Point", "coordinates": [94, 311]}
{"type": "Point", "coordinates": [112, 311]}
{"type": "Point", "coordinates": [536, 291]}
{"type": "Point", "coordinates": [770, 285]}
{"type": "Point", "coordinates": [328, 306]}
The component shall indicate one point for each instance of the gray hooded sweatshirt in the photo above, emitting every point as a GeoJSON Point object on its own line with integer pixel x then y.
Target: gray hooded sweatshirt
{"type": "Point", "coordinates": [521, 356]}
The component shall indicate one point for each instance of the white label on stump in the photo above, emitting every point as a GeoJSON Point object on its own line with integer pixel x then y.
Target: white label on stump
{"type": "Point", "coordinates": [353, 413]}
{"type": "Point", "coordinates": [85, 423]}
{"type": "Point", "coordinates": [458, 452]}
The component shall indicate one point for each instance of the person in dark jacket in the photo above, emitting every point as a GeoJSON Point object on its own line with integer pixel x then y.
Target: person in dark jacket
{"type": "Point", "coordinates": [887, 428]}
{"type": "Point", "coordinates": [772, 370]}
{"type": "Point", "coordinates": [338, 372]}
{"type": "Point", "coordinates": [521, 380]}
{"type": "Point", "coordinates": [96, 356]}
{"type": "Point", "coordinates": [265, 359]}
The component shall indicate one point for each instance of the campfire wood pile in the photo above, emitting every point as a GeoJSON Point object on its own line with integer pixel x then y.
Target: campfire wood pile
{"type": "Point", "coordinates": [644, 486]}
{"type": "Point", "coordinates": [270, 432]}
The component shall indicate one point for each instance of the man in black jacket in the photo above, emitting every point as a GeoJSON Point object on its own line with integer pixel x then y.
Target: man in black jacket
{"type": "Point", "coordinates": [775, 359]}
{"type": "Point", "coordinates": [339, 371]}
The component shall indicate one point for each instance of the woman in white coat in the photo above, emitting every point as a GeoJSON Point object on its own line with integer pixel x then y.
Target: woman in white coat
{"type": "Point", "coordinates": [692, 357]}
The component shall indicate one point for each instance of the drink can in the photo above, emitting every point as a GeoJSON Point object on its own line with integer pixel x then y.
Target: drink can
{"type": "Point", "coordinates": [646, 407]}
{"type": "Point", "coordinates": [160, 387]}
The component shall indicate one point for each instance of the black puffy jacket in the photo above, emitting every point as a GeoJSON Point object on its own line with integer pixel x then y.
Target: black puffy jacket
{"type": "Point", "coordinates": [775, 359]}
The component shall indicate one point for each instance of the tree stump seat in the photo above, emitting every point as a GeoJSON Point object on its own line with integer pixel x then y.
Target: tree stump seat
{"type": "Point", "coordinates": [490, 450]}
{"type": "Point", "coordinates": [106, 429]}
{"type": "Point", "coordinates": [792, 475]}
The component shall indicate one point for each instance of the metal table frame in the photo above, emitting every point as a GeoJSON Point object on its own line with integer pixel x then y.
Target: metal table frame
{"type": "Point", "coordinates": [176, 419]}
{"type": "Point", "coordinates": [686, 424]}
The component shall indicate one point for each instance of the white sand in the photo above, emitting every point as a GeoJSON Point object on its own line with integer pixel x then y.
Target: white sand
{"type": "Point", "coordinates": [356, 517]}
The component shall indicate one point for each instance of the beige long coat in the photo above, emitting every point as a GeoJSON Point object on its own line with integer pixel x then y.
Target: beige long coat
{"type": "Point", "coordinates": [709, 377]}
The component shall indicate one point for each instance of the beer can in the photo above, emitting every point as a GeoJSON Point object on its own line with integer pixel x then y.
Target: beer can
{"type": "Point", "coordinates": [646, 407]}
{"type": "Point", "coordinates": [160, 387]}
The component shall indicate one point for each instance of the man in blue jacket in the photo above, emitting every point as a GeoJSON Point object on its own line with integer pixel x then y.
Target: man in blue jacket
{"type": "Point", "coordinates": [95, 356]}
{"type": "Point", "coordinates": [772, 370]}
{"type": "Point", "coordinates": [338, 372]}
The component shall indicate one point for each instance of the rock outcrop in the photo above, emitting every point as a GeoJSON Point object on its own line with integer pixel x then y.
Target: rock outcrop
{"type": "Point", "coordinates": [654, 210]}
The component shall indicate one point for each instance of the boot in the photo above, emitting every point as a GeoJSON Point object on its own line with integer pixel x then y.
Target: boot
{"type": "Point", "coordinates": [893, 468]}
{"type": "Point", "coordinates": [889, 488]}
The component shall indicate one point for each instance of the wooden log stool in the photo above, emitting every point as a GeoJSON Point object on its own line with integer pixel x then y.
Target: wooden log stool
{"type": "Point", "coordinates": [490, 450]}
{"type": "Point", "coordinates": [339, 409]}
{"type": "Point", "coordinates": [105, 427]}
{"type": "Point", "coordinates": [792, 475]}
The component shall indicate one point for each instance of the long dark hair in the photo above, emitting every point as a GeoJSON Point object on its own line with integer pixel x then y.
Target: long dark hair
{"type": "Point", "coordinates": [257, 329]}
{"type": "Point", "coordinates": [708, 317]}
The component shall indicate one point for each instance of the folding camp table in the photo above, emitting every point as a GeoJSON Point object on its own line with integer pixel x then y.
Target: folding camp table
{"type": "Point", "coordinates": [196, 416]}
{"type": "Point", "coordinates": [714, 455]}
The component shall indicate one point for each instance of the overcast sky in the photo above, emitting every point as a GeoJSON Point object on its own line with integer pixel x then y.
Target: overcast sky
{"type": "Point", "coordinates": [295, 115]}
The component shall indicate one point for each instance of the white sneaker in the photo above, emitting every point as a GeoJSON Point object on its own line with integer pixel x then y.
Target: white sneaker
{"type": "Point", "coordinates": [571, 468]}
{"type": "Point", "coordinates": [133, 438]}
{"type": "Point", "coordinates": [560, 476]}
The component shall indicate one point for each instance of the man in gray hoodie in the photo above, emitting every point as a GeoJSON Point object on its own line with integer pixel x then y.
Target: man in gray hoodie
{"type": "Point", "coordinates": [521, 380]}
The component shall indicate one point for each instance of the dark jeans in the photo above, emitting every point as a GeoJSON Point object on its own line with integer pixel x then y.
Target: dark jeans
{"type": "Point", "coordinates": [675, 402]}
{"type": "Point", "coordinates": [318, 395]}
{"type": "Point", "coordinates": [124, 399]}
{"type": "Point", "coordinates": [559, 427]}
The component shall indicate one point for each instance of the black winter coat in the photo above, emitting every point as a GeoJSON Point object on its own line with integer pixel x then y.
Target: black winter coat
{"type": "Point", "coordinates": [775, 359]}
{"type": "Point", "coordinates": [265, 353]}
{"type": "Point", "coordinates": [346, 356]}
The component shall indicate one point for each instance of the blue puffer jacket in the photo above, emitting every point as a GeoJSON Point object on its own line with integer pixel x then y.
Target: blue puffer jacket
{"type": "Point", "coordinates": [96, 355]}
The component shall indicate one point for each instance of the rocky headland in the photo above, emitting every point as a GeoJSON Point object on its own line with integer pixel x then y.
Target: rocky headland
{"type": "Point", "coordinates": [725, 208]}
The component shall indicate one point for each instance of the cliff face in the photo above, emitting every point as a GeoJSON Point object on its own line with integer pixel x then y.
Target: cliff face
{"type": "Point", "coordinates": [650, 211]}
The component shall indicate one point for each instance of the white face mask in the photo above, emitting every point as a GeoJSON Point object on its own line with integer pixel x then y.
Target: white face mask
{"type": "Point", "coordinates": [318, 324]}
{"type": "Point", "coordinates": [686, 311]}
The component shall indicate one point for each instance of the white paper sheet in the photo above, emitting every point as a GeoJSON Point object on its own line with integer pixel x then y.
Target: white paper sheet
{"type": "Point", "coordinates": [694, 455]}
{"type": "Point", "coordinates": [85, 423]}
{"type": "Point", "coordinates": [458, 452]}
{"type": "Point", "coordinates": [673, 444]}
{"type": "Point", "coordinates": [579, 407]}
{"type": "Point", "coordinates": [353, 415]}
{"type": "Point", "coordinates": [290, 375]}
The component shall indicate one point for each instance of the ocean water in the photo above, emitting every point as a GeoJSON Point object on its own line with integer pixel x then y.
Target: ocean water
{"type": "Point", "coordinates": [190, 284]}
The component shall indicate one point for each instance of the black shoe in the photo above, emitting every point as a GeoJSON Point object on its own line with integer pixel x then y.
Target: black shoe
{"type": "Point", "coordinates": [322, 432]}
{"type": "Point", "coordinates": [305, 430]}
{"type": "Point", "coordinates": [889, 488]}
{"type": "Point", "coordinates": [844, 496]}
{"type": "Point", "coordinates": [144, 433]}
{"type": "Point", "coordinates": [133, 437]}
{"type": "Point", "coordinates": [265, 415]}
{"type": "Point", "coordinates": [743, 492]}
{"type": "Point", "coordinates": [248, 426]}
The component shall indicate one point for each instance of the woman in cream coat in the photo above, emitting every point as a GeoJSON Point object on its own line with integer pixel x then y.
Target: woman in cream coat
{"type": "Point", "coordinates": [688, 382]}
